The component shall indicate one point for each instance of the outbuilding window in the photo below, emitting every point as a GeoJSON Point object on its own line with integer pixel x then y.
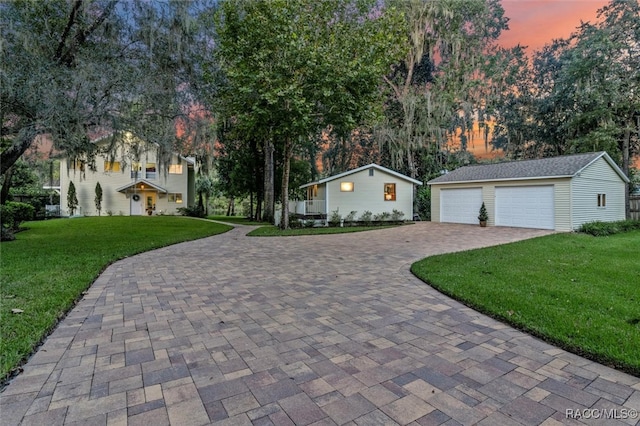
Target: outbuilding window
{"type": "Point", "coordinates": [346, 186]}
{"type": "Point", "coordinates": [602, 200]}
{"type": "Point", "coordinates": [389, 191]}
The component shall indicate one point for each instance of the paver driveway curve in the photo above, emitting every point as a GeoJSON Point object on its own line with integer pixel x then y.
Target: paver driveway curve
{"type": "Point", "coordinates": [302, 330]}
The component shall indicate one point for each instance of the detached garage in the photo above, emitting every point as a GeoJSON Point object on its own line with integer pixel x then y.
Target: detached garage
{"type": "Point", "coordinates": [559, 193]}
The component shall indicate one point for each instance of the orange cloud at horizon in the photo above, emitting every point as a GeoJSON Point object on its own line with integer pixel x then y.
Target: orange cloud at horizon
{"type": "Point", "coordinates": [534, 23]}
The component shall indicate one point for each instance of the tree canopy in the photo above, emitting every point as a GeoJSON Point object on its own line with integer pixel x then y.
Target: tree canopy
{"type": "Point", "coordinates": [292, 67]}
{"type": "Point", "coordinates": [82, 68]}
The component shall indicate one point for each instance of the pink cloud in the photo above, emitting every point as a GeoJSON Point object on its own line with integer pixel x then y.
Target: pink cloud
{"type": "Point", "coordinates": [534, 23]}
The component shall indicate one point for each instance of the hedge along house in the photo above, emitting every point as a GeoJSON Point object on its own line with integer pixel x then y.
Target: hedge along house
{"type": "Point", "coordinates": [368, 188]}
{"type": "Point", "coordinates": [559, 193]}
{"type": "Point", "coordinates": [131, 179]}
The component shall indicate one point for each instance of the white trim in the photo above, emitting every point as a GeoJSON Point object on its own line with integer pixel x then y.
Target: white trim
{"type": "Point", "coordinates": [479, 181]}
{"type": "Point", "coordinates": [359, 169]}
{"type": "Point", "coordinates": [143, 182]}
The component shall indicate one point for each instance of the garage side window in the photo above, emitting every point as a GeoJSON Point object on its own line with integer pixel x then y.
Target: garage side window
{"type": "Point", "coordinates": [389, 191]}
{"type": "Point", "coordinates": [602, 200]}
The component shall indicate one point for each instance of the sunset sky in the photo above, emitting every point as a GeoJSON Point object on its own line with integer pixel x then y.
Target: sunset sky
{"type": "Point", "coordinates": [534, 23]}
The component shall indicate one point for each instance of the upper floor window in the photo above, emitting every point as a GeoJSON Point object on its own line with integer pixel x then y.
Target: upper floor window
{"type": "Point", "coordinates": [602, 200]}
{"type": "Point", "coordinates": [136, 168]}
{"type": "Point", "coordinates": [77, 165]}
{"type": "Point", "coordinates": [150, 171]}
{"type": "Point", "coordinates": [111, 166]}
{"type": "Point", "coordinates": [175, 169]}
{"type": "Point", "coordinates": [389, 191]}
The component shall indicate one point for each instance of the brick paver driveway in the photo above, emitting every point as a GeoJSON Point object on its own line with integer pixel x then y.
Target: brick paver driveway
{"type": "Point", "coordinates": [305, 330]}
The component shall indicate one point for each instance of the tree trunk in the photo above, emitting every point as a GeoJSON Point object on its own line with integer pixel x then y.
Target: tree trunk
{"type": "Point", "coordinates": [269, 184]}
{"type": "Point", "coordinates": [288, 153]}
{"type": "Point", "coordinates": [251, 204]}
{"type": "Point", "coordinates": [9, 156]}
{"type": "Point", "coordinates": [231, 206]}
{"type": "Point", "coordinates": [625, 167]}
{"type": "Point", "coordinates": [6, 185]}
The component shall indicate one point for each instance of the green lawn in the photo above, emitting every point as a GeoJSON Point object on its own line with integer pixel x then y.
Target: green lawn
{"type": "Point", "coordinates": [241, 220]}
{"type": "Point", "coordinates": [579, 292]}
{"type": "Point", "coordinates": [46, 269]}
{"type": "Point", "coordinates": [274, 231]}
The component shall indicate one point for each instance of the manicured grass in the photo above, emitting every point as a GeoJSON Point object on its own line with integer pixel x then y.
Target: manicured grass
{"type": "Point", "coordinates": [274, 231]}
{"type": "Point", "coordinates": [579, 292]}
{"type": "Point", "coordinates": [46, 269]}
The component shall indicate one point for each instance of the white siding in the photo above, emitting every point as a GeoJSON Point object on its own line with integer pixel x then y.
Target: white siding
{"type": "Point", "coordinates": [562, 198]}
{"type": "Point", "coordinates": [460, 205]}
{"type": "Point", "coordinates": [525, 206]}
{"type": "Point", "coordinates": [597, 178]}
{"type": "Point", "coordinates": [368, 194]}
{"type": "Point", "coordinates": [116, 202]}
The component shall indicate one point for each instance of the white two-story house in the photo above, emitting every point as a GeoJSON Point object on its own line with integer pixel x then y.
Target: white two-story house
{"type": "Point", "coordinates": [133, 179]}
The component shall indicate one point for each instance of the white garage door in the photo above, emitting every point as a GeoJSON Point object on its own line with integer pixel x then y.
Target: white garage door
{"type": "Point", "coordinates": [460, 205]}
{"type": "Point", "coordinates": [525, 207]}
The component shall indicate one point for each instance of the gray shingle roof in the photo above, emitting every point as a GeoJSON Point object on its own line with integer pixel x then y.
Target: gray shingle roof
{"type": "Point", "coordinates": [554, 167]}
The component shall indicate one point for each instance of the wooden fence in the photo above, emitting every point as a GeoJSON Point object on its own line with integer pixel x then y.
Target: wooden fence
{"type": "Point", "coordinates": [634, 206]}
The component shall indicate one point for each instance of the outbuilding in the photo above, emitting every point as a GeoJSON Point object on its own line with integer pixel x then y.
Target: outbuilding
{"type": "Point", "coordinates": [370, 188]}
{"type": "Point", "coordinates": [558, 193]}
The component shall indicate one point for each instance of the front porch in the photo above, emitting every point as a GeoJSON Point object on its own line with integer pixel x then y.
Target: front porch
{"type": "Point", "coordinates": [309, 208]}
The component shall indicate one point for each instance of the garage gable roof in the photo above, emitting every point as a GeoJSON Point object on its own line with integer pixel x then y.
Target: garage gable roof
{"type": "Point", "coordinates": [359, 169]}
{"type": "Point", "coordinates": [545, 168]}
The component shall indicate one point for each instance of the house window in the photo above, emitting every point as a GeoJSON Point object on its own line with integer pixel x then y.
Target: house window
{"type": "Point", "coordinates": [175, 198]}
{"type": "Point", "coordinates": [602, 200]}
{"type": "Point", "coordinates": [77, 165]}
{"type": "Point", "coordinates": [370, 172]}
{"type": "Point", "coordinates": [136, 168]}
{"type": "Point", "coordinates": [389, 191]}
{"type": "Point", "coordinates": [175, 169]}
{"type": "Point", "coordinates": [346, 186]}
{"type": "Point", "coordinates": [312, 192]}
{"type": "Point", "coordinates": [150, 171]}
{"type": "Point", "coordinates": [111, 166]}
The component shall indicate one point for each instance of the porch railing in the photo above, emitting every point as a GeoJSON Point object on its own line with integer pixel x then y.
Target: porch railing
{"type": "Point", "coordinates": [307, 207]}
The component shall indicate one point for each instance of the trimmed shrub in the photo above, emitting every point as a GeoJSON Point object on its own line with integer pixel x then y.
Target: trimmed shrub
{"type": "Point", "coordinates": [12, 214]}
{"type": "Point", "coordinates": [335, 218]}
{"type": "Point", "coordinates": [397, 215]}
{"type": "Point", "coordinates": [602, 229]}
{"type": "Point", "coordinates": [366, 218]}
{"type": "Point", "coordinates": [192, 211]}
{"type": "Point", "coordinates": [350, 219]}
{"type": "Point", "coordinates": [381, 217]}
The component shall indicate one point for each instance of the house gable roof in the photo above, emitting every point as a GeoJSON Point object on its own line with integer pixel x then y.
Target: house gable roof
{"type": "Point", "coordinates": [566, 166]}
{"type": "Point", "coordinates": [359, 169]}
{"type": "Point", "coordinates": [142, 182]}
